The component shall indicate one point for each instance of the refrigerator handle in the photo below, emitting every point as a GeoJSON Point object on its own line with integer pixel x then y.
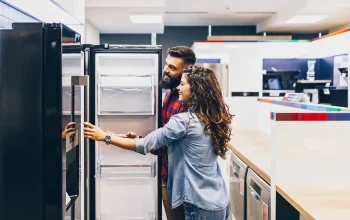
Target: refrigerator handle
{"type": "Point", "coordinates": [84, 81]}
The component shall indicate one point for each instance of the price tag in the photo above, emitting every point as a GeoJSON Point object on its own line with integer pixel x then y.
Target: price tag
{"type": "Point", "coordinates": [328, 84]}
{"type": "Point", "coordinates": [264, 72]}
{"type": "Point", "coordinates": [275, 94]}
{"type": "Point", "coordinates": [326, 91]}
{"type": "Point", "coordinates": [241, 186]}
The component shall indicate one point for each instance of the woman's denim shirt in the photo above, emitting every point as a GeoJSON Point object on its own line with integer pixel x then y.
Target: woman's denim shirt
{"type": "Point", "coordinates": [194, 173]}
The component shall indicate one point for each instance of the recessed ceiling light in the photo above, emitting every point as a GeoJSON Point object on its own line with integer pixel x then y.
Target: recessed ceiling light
{"type": "Point", "coordinates": [146, 19]}
{"type": "Point", "coordinates": [305, 19]}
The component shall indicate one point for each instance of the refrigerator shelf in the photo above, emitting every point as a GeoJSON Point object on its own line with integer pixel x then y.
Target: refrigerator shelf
{"type": "Point", "coordinates": [126, 218]}
{"type": "Point", "coordinates": [126, 100]}
{"type": "Point", "coordinates": [67, 113]}
{"type": "Point", "coordinates": [127, 171]}
{"type": "Point", "coordinates": [71, 56]}
{"type": "Point", "coordinates": [124, 113]}
{"type": "Point", "coordinates": [126, 63]}
{"type": "Point", "coordinates": [126, 81]}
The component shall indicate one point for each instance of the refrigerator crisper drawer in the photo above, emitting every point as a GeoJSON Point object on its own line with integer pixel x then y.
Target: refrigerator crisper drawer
{"type": "Point", "coordinates": [72, 64]}
{"type": "Point", "coordinates": [258, 197]}
{"type": "Point", "coordinates": [120, 196]}
{"type": "Point", "coordinates": [121, 63]}
{"type": "Point", "coordinates": [126, 100]}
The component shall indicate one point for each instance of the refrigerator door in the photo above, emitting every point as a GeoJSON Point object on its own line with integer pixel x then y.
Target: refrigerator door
{"type": "Point", "coordinates": [32, 161]}
{"type": "Point", "coordinates": [74, 111]}
{"type": "Point", "coordinates": [127, 99]}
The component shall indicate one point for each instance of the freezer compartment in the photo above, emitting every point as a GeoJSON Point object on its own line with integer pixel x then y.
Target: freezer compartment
{"type": "Point", "coordinates": [121, 196]}
{"type": "Point", "coordinates": [126, 100]}
{"type": "Point", "coordinates": [258, 197]}
{"type": "Point", "coordinates": [72, 64]}
{"type": "Point", "coordinates": [127, 63]}
{"type": "Point", "coordinates": [238, 171]}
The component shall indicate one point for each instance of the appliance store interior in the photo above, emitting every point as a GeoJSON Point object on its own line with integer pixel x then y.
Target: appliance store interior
{"type": "Point", "coordinates": [282, 67]}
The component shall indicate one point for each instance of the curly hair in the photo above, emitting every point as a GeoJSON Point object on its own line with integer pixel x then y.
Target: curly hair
{"type": "Point", "coordinates": [207, 102]}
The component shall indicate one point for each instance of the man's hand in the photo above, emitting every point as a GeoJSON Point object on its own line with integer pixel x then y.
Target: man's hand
{"type": "Point", "coordinates": [131, 135]}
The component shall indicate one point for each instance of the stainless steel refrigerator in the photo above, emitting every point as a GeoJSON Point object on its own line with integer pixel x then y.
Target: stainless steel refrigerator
{"type": "Point", "coordinates": [222, 75]}
{"type": "Point", "coordinates": [124, 96]}
{"type": "Point", "coordinates": [39, 166]}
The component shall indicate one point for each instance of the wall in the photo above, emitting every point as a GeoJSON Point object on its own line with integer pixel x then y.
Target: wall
{"type": "Point", "coordinates": [347, 26]}
{"type": "Point", "coordinates": [76, 8]}
{"type": "Point", "coordinates": [92, 34]}
{"type": "Point", "coordinates": [125, 38]}
{"type": "Point", "coordinates": [8, 15]}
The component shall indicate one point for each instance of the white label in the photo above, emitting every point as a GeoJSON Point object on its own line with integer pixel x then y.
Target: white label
{"type": "Point", "coordinates": [326, 91]}
{"type": "Point", "coordinates": [328, 84]}
{"type": "Point", "coordinates": [264, 72]}
{"type": "Point", "coordinates": [274, 94]}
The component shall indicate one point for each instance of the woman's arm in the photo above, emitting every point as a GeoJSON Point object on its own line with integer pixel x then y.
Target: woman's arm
{"type": "Point", "coordinates": [175, 129]}
{"type": "Point", "coordinates": [93, 132]}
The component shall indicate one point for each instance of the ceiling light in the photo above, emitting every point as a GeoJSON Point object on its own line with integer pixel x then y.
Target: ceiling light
{"type": "Point", "coordinates": [146, 19]}
{"type": "Point", "coordinates": [305, 19]}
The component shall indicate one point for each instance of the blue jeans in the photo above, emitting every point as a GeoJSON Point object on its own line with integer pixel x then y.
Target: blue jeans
{"type": "Point", "coordinates": [192, 212]}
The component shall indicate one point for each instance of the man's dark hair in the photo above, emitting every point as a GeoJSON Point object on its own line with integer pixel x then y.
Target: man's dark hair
{"type": "Point", "coordinates": [183, 52]}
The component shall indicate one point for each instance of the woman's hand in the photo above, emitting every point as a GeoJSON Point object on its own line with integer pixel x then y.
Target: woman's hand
{"type": "Point", "coordinates": [93, 132]}
{"type": "Point", "coordinates": [68, 130]}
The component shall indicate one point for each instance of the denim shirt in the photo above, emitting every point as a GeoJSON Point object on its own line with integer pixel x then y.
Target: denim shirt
{"type": "Point", "coordinates": [194, 173]}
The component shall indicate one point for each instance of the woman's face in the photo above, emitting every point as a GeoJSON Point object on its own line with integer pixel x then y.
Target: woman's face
{"type": "Point", "coordinates": [184, 89]}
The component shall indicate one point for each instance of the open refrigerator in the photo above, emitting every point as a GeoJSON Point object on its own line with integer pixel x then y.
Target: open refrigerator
{"type": "Point", "coordinates": [124, 96]}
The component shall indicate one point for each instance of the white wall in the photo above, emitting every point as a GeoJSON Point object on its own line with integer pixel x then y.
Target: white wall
{"type": "Point", "coordinates": [55, 11]}
{"type": "Point", "coordinates": [92, 34]}
{"type": "Point", "coordinates": [339, 28]}
{"type": "Point", "coordinates": [76, 8]}
{"type": "Point", "coordinates": [8, 15]}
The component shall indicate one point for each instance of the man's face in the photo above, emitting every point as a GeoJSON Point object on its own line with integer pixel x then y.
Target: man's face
{"type": "Point", "coordinates": [172, 72]}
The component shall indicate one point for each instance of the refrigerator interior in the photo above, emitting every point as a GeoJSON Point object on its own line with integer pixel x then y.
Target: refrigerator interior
{"type": "Point", "coordinates": [72, 65]}
{"type": "Point", "coordinates": [126, 94]}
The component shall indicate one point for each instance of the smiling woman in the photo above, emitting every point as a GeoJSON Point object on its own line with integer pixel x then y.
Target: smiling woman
{"type": "Point", "coordinates": [195, 139]}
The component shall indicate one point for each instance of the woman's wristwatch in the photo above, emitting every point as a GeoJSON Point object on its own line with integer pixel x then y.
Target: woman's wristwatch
{"type": "Point", "coordinates": [108, 138]}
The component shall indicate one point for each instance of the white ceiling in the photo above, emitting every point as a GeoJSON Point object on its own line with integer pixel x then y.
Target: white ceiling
{"type": "Point", "coordinates": [112, 16]}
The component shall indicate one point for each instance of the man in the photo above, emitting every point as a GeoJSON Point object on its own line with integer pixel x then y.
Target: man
{"type": "Point", "coordinates": [178, 59]}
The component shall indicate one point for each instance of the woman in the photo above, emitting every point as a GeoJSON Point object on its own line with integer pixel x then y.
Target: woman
{"type": "Point", "coordinates": [195, 139]}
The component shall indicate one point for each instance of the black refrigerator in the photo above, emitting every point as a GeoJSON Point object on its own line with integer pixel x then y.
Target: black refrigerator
{"type": "Point", "coordinates": [124, 96]}
{"type": "Point", "coordinates": [39, 162]}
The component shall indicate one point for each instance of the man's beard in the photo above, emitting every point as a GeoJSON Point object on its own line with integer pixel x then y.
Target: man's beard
{"type": "Point", "coordinates": [168, 82]}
